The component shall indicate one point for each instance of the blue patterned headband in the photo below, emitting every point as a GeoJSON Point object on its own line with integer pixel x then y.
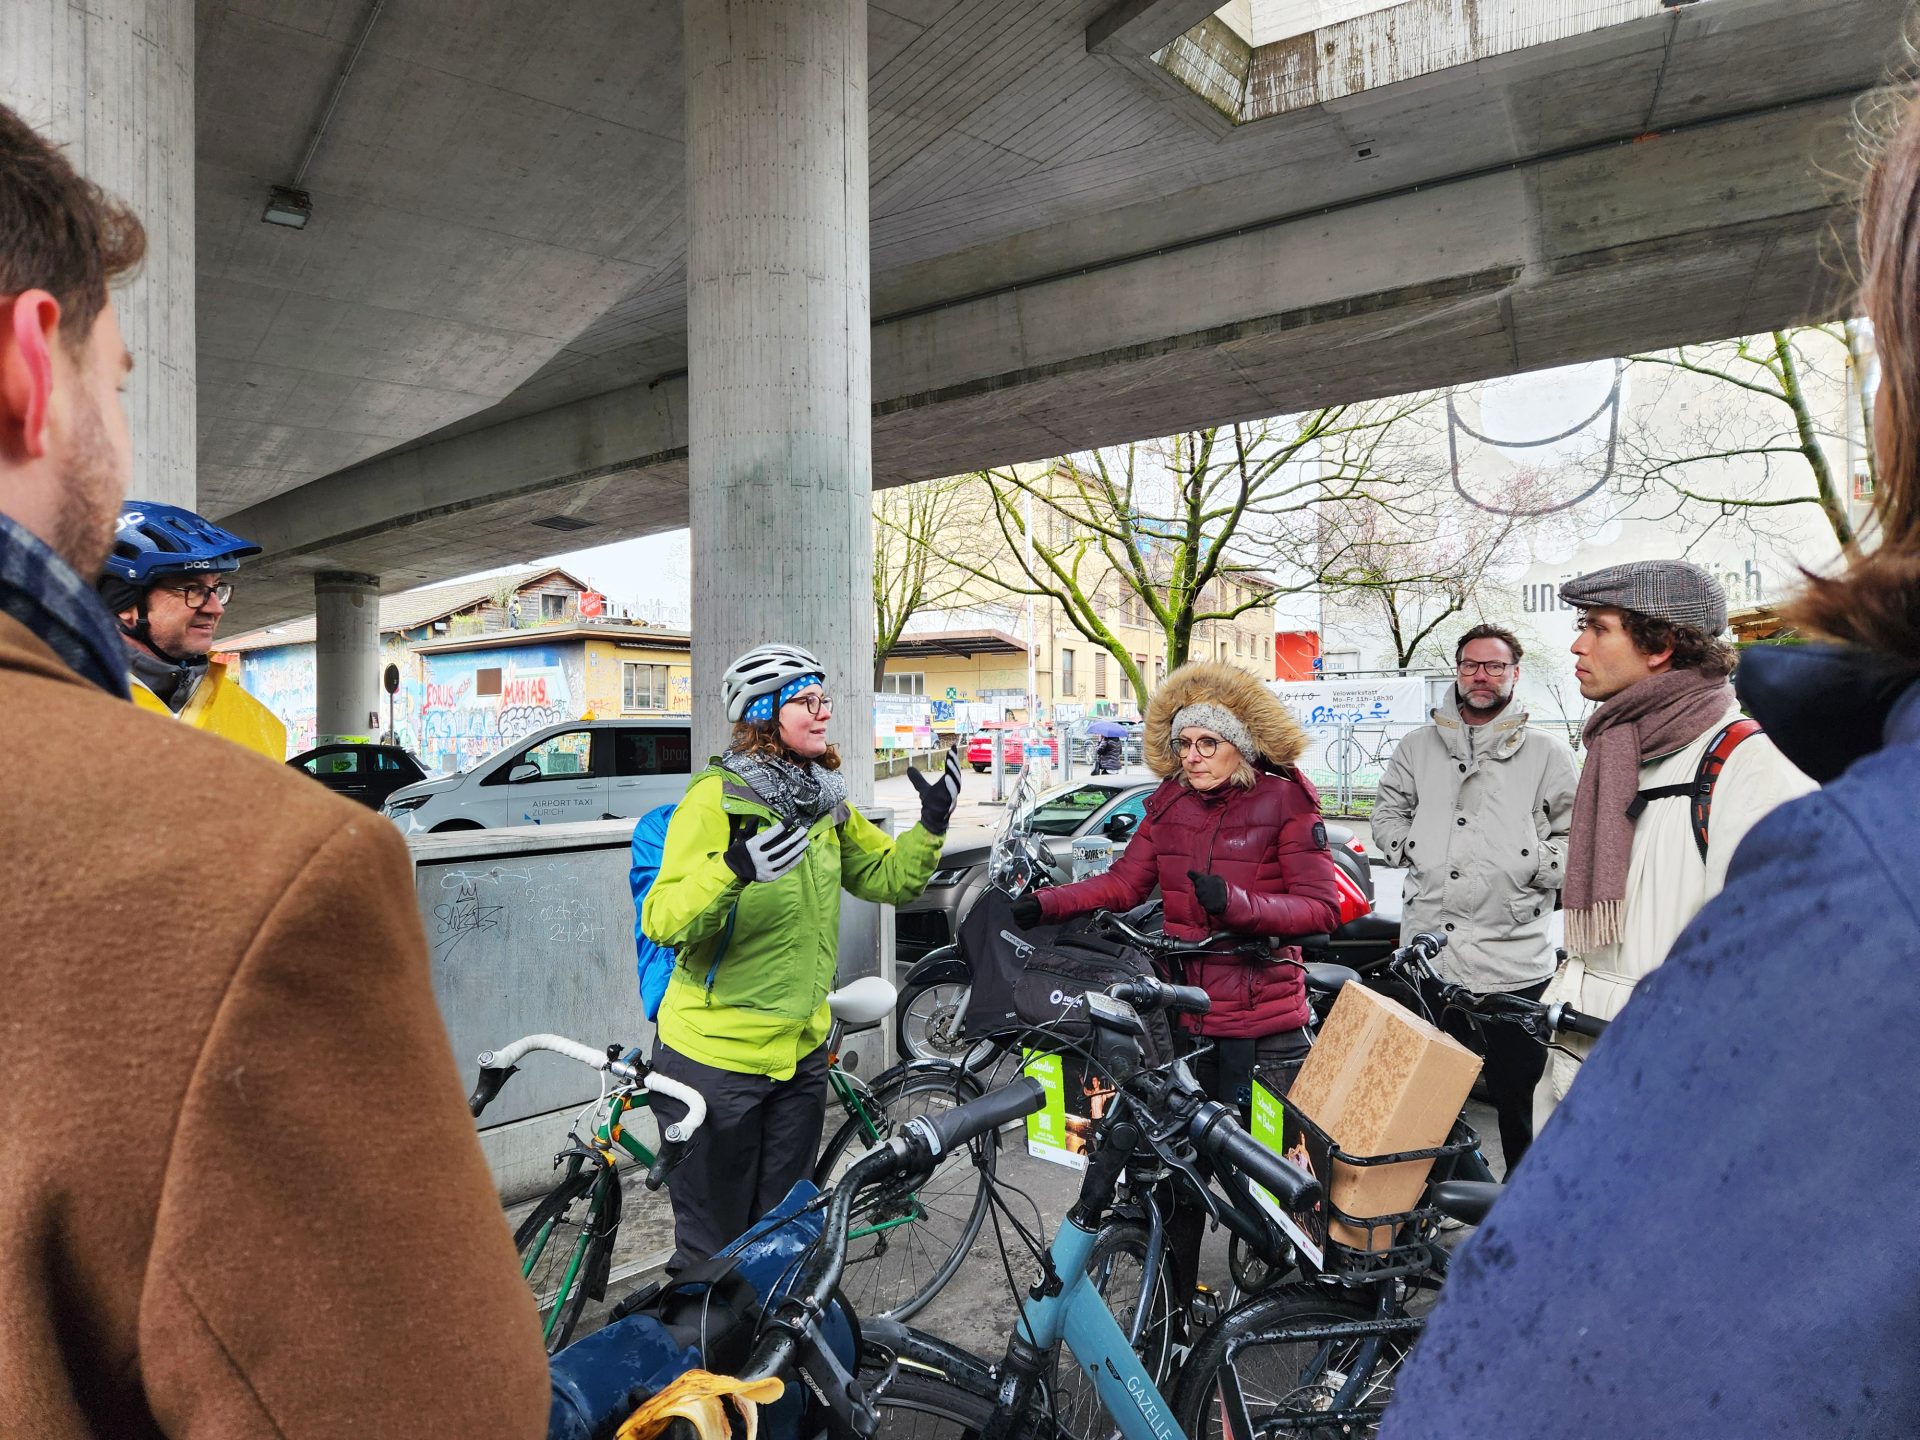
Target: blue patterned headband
{"type": "Point", "coordinates": [763, 708]}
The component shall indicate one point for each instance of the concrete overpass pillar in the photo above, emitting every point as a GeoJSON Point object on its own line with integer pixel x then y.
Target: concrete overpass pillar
{"type": "Point", "coordinates": [779, 386]}
{"type": "Point", "coordinates": [112, 81]}
{"type": "Point", "coordinates": [346, 656]}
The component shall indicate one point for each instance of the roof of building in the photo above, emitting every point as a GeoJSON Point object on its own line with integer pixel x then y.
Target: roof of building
{"type": "Point", "coordinates": [412, 608]}
{"type": "Point", "coordinates": [955, 642]}
{"type": "Point", "coordinates": [644, 637]}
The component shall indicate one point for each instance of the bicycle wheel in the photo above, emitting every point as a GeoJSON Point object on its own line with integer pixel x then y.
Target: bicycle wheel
{"type": "Point", "coordinates": [927, 1407]}
{"type": "Point", "coordinates": [924, 1021]}
{"type": "Point", "coordinates": [907, 1240]}
{"type": "Point", "coordinates": [560, 1246]}
{"type": "Point", "coordinates": [1117, 1268]}
{"type": "Point", "coordinates": [1289, 1387]}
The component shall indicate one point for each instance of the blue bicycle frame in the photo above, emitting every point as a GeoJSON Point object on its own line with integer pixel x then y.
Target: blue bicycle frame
{"type": "Point", "coordinates": [1078, 1315]}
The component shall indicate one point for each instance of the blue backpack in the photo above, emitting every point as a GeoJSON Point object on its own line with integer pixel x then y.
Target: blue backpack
{"type": "Point", "coordinates": [652, 960]}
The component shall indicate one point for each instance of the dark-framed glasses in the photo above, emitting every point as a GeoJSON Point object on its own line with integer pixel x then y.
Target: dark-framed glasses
{"type": "Point", "coordinates": [1202, 745]}
{"type": "Point", "coordinates": [197, 595]}
{"type": "Point", "coordinates": [814, 704]}
{"type": "Point", "coordinates": [1492, 669]}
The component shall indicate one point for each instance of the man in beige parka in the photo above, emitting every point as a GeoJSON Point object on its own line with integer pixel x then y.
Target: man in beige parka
{"type": "Point", "coordinates": [1476, 805]}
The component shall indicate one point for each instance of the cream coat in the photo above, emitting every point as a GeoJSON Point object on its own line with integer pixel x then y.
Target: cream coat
{"type": "Point", "coordinates": [1487, 885]}
{"type": "Point", "coordinates": [1667, 883]}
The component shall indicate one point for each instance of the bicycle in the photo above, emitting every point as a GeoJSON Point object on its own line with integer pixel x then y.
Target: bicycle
{"type": "Point", "coordinates": [910, 1240]}
{"type": "Point", "coordinates": [1321, 1357]}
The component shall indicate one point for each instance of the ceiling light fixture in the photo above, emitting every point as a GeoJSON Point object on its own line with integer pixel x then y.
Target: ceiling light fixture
{"type": "Point", "coordinates": [291, 208]}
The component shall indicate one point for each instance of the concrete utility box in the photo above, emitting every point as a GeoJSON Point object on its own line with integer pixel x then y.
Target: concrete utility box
{"type": "Point", "coordinates": [530, 929]}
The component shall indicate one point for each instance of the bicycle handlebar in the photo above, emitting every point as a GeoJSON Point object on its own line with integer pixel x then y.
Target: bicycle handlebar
{"type": "Point", "coordinates": [497, 1066]}
{"type": "Point", "coordinates": [1214, 1130]}
{"type": "Point", "coordinates": [1540, 1021]}
{"type": "Point", "coordinates": [1146, 993]}
{"type": "Point", "coordinates": [964, 1123]}
{"type": "Point", "coordinates": [1565, 1017]}
{"type": "Point", "coordinates": [1172, 945]}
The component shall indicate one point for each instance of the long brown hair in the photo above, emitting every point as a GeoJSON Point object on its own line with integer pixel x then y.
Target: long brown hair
{"type": "Point", "coordinates": [1875, 602]}
{"type": "Point", "coordinates": [762, 738]}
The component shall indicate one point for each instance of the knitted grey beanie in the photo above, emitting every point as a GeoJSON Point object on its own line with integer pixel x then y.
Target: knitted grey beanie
{"type": "Point", "coordinates": [1222, 721]}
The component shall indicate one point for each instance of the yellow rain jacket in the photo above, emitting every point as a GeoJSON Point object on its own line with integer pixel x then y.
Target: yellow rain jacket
{"type": "Point", "coordinates": [219, 704]}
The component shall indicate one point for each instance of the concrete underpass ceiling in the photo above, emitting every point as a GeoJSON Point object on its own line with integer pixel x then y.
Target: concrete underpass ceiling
{"type": "Point", "coordinates": [485, 324]}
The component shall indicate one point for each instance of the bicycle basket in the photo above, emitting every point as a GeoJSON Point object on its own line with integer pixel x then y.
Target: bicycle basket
{"type": "Point", "coordinates": [1358, 1249]}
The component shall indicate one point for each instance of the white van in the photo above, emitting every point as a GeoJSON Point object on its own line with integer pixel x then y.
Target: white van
{"type": "Point", "coordinates": [577, 770]}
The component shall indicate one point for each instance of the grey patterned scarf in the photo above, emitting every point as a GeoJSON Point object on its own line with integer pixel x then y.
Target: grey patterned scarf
{"type": "Point", "coordinates": [799, 793]}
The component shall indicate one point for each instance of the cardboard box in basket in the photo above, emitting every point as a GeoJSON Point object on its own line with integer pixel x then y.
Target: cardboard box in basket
{"type": "Point", "coordinates": [1380, 1080]}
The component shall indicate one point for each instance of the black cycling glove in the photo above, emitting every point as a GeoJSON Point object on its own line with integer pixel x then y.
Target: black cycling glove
{"type": "Point", "coordinates": [937, 797]}
{"type": "Point", "coordinates": [1026, 912]}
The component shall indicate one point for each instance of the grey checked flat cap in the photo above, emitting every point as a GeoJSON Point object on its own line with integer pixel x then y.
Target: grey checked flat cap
{"type": "Point", "coordinates": [1672, 590]}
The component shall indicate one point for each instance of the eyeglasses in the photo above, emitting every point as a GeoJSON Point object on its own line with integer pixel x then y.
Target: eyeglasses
{"type": "Point", "coordinates": [197, 596]}
{"type": "Point", "coordinates": [1202, 745]}
{"type": "Point", "coordinates": [1492, 669]}
{"type": "Point", "coordinates": [813, 704]}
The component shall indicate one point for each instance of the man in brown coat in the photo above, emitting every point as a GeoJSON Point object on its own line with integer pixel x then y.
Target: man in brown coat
{"type": "Point", "coordinates": [240, 1195]}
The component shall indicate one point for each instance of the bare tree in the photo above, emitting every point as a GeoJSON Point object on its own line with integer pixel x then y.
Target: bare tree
{"type": "Point", "coordinates": [1761, 422]}
{"type": "Point", "coordinates": [1197, 528]}
{"type": "Point", "coordinates": [917, 532]}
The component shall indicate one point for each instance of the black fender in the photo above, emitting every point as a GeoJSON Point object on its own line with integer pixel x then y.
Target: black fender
{"type": "Point", "coordinates": [882, 1340]}
{"type": "Point", "coordinates": [936, 966]}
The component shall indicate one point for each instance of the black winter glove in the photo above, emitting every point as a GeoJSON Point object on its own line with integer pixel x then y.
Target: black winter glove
{"type": "Point", "coordinates": [937, 797]}
{"type": "Point", "coordinates": [1026, 912]}
{"type": "Point", "coordinates": [769, 854]}
{"type": "Point", "coordinates": [1210, 891]}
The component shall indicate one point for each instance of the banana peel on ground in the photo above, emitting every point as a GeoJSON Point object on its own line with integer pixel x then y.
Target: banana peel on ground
{"type": "Point", "coordinates": [701, 1398]}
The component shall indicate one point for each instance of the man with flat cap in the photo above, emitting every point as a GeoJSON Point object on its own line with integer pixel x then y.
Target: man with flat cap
{"type": "Point", "coordinates": [1673, 780]}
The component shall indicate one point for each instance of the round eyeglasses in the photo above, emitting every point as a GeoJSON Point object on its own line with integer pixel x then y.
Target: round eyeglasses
{"type": "Point", "coordinates": [813, 704]}
{"type": "Point", "coordinates": [1202, 745]}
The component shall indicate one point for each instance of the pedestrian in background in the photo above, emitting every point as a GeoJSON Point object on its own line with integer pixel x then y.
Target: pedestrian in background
{"type": "Point", "coordinates": [1476, 806]}
{"type": "Point", "coordinates": [1645, 854]}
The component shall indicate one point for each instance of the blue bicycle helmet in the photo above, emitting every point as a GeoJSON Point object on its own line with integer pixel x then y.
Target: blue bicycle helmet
{"type": "Point", "coordinates": [154, 540]}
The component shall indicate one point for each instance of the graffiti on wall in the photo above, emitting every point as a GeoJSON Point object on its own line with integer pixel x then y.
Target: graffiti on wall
{"type": "Point", "coordinates": [282, 680]}
{"type": "Point", "coordinates": [468, 711]}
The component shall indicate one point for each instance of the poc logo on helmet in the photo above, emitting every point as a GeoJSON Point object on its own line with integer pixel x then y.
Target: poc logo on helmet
{"type": "Point", "coordinates": [1066, 1001]}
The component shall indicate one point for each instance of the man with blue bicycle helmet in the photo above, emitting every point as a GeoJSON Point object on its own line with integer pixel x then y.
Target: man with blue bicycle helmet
{"type": "Point", "coordinates": [167, 578]}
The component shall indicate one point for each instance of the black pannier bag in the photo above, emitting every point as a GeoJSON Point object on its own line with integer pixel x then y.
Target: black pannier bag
{"type": "Point", "coordinates": [1036, 977]}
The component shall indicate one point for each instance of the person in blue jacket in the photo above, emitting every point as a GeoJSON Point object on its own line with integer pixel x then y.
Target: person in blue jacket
{"type": "Point", "coordinates": [1711, 1239]}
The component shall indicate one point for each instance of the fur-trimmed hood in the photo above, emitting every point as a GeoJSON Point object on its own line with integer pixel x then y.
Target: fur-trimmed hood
{"type": "Point", "coordinates": [1280, 737]}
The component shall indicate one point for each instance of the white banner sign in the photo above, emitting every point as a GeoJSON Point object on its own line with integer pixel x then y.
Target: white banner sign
{"type": "Point", "coordinates": [1354, 725]}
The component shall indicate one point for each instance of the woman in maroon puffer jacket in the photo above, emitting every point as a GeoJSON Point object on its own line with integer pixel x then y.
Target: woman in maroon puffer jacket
{"type": "Point", "coordinates": [1234, 840]}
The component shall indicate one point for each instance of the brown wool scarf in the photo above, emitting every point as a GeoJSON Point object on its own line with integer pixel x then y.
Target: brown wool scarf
{"type": "Point", "coordinates": [1657, 716]}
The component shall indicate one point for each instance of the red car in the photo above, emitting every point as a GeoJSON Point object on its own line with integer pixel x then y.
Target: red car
{"type": "Point", "coordinates": [1012, 739]}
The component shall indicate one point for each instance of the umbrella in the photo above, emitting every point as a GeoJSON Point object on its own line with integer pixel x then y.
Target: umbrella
{"type": "Point", "coordinates": [1108, 727]}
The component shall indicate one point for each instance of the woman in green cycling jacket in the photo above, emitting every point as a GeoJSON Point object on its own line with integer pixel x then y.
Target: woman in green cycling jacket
{"type": "Point", "coordinates": [748, 897]}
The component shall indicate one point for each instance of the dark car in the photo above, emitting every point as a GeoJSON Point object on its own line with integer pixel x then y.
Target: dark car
{"type": "Point", "coordinates": [367, 773]}
{"type": "Point", "coordinates": [1109, 806]}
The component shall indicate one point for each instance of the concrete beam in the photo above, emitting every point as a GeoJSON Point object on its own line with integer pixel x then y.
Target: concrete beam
{"type": "Point", "coordinates": [1707, 231]}
{"type": "Point", "coordinates": [1140, 27]}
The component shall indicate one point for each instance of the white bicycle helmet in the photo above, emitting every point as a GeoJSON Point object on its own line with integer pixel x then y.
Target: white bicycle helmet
{"type": "Point", "coordinates": [762, 673]}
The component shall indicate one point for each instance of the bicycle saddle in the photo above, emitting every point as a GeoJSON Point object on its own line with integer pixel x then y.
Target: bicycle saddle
{"type": "Point", "coordinates": [863, 1003]}
{"type": "Point", "coordinates": [1325, 978]}
{"type": "Point", "coordinates": [1467, 1201]}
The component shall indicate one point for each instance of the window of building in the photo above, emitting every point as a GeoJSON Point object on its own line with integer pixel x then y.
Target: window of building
{"type": "Point", "coordinates": [1159, 670]}
{"type": "Point", "coordinates": [486, 682]}
{"type": "Point", "coordinates": [1266, 647]}
{"type": "Point", "coordinates": [553, 607]}
{"type": "Point", "coordinates": [642, 686]}
{"type": "Point", "coordinates": [1066, 672]}
{"type": "Point", "coordinates": [1239, 643]}
{"type": "Point", "coordinates": [1099, 674]}
{"type": "Point", "coordinates": [911, 682]}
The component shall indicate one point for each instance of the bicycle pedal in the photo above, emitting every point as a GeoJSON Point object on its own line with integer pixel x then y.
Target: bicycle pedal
{"type": "Point", "coordinates": [1205, 1307]}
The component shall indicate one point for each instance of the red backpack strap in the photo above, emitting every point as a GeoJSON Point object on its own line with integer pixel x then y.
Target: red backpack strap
{"type": "Point", "coordinates": [1708, 773]}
